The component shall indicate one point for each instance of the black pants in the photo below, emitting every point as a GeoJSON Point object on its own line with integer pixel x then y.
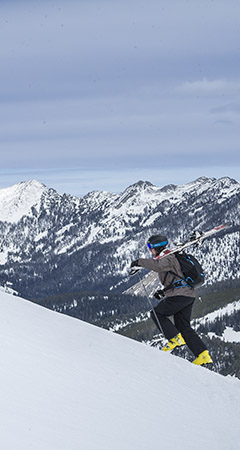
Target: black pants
{"type": "Point", "coordinates": [180, 308]}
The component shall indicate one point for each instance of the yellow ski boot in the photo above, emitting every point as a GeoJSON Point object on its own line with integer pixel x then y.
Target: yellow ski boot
{"type": "Point", "coordinates": [203, 358]}
{"type": "Point", "coordinates": [177, 341]}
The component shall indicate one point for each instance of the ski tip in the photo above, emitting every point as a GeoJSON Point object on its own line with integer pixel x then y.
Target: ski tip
{"type": "Point", "coordinates": [224, 225]}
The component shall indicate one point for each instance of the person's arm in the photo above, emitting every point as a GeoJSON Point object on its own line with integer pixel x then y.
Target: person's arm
{"type": "Point", "coordinates": [157, 265]}
{"type": "Point", "coordinates": [149, 264]}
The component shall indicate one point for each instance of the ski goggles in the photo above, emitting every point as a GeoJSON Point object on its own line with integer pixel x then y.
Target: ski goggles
{"type": "Point", "coordinates": [160, 244]}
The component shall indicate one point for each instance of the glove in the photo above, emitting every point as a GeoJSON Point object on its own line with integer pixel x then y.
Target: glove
{"type": "Point", "coordinates": [135, 263]}
{"type": "Point", "coordinates": [134, 267]}
{"type": "Point", "coordinates": [159, 294]}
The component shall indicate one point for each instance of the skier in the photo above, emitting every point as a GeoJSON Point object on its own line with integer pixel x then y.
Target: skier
{"type": "Point", "coordinates": [177, 302]}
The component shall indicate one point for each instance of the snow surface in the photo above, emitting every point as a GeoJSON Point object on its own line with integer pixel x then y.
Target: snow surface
{"type": "Point", "coordinates": [68, 385]}
{"type": "Point", "coordinates": [229, 335]}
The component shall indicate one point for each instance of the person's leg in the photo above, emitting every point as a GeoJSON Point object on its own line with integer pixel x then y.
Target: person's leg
{"type": "Point", "coordinates": [167, 307]}
{"type": "Point", "coordinates": [166, 325]}
{"type": "Point", "coordinates": [182, 321]}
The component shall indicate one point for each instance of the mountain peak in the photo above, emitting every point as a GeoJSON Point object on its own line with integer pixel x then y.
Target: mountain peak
{"type": "Point", "coordinates": [17, 200]}
{"type": "Point", "coordinates": [201, 181]}
{"type": "Point", "coordinates": [141, 184]}
{"type": "Point", "coordinates": [227, 181]}
{"type": "Point", "coordinates": [204, 179]}
{"type": "Point", "coordinates": [34, 184]}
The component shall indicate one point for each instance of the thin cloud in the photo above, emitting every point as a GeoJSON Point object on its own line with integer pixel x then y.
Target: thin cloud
{"type": "Point", "coordinates": [209, 87]}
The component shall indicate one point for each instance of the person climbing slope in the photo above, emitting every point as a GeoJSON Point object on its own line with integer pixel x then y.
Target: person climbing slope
{"type": "Point", "coordinates": [178, 301]}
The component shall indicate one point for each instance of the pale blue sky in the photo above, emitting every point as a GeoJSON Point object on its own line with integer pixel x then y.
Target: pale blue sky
{"type": "Point", "coordinates": [97, 94]}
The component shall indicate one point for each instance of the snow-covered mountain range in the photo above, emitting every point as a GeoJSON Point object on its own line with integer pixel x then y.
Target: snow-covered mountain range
{"type": "Point", "coordinates": [52, 243]}
{"type": "Point", "coordinates": [71, 385]}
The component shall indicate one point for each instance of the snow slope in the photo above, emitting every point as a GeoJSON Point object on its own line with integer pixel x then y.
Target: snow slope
{"type": "Point", "coordinates": [68, 385]}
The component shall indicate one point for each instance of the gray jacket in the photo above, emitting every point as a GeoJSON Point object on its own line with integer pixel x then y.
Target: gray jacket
{"type": "Point", "coordinates": [164, 265]}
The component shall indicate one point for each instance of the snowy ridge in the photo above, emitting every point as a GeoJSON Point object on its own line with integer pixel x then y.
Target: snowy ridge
{"type": "Point", "coordinates": [229, 309]}
{"type": "Point", "coordinates": [228, 334]}
{"type": "Point", "coordinates": [70, 385]}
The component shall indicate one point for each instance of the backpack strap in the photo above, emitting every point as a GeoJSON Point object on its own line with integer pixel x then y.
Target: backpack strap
{"type": "Point", "coordinates": [175, 284]}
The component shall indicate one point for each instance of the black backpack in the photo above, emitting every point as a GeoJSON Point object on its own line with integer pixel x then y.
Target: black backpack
{"type": "Point", "coordinates": [191, 269]}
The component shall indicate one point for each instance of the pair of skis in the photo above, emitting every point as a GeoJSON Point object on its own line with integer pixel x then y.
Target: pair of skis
{"type": "Point", "coordinates": [196, 238]}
